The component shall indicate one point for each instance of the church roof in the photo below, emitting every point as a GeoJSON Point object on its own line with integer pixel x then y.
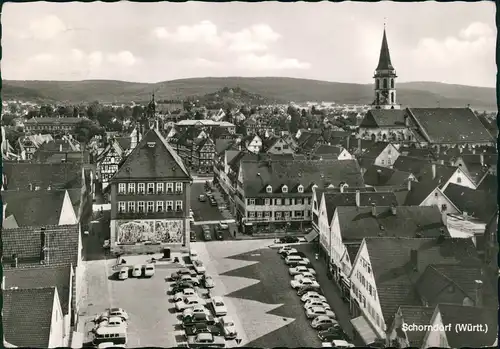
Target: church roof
{"type": "Point", "coordinates": [384, 61]}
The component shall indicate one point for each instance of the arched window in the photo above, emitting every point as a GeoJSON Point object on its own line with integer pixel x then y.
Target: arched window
{"type": "Point", "coordinates": [385, 83]}
{"type": "Point", "coordinates": [377, 84]}
{"type": "Point", "coordinates": [392, 83]}
{"type": "Point", "coordinates": [392, 97]}
{"type": "Point", "coordinates": [378, 98]}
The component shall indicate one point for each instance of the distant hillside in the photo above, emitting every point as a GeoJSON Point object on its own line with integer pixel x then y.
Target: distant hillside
{"type": "Point", "coordinates": [235, 97]}
{"type": "Point", "coordinates": [421, 94]}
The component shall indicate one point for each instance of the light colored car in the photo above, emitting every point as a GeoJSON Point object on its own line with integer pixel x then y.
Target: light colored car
{"type": "Point", "coordinates": [219, 306]}
{"type": "Point", "coordinates": [304, 261]}
{"type": "Point", "coordinates": [337, 343]}
{"type": "Point", "coordinates": [188, 278]}
{"type": "Point", "coordinates": [191, 215]}
{"type": "Point", "coordinates": [284, 249]}
{"type": "Point", "coordinates": [188, 302]}
{"type": "Point", "coordinates": [185, 293]}
{"type": "Point", "coordinates": [149, 270]}
{"type": "Point", "coordinates": [306, 275]}
{"type": "Point", "coordinates": [312, 295]}
{"type": "Point", "coordinates": [110, 345]}
{"type": "Point", "coordinates": [223, 226]}
{"type": "Point", "coordinates": [114, 321]}
{"type": "Point", "coordinates": [313, 312]}
{"type": "Point", "coordinates": [229, 327]}
{"type": "Point", "coordinates": [300, 269]}
{"type": "Point", "coordinates": [316, 303]}
{"type": "Point", "coordinates": [110, 313]}
{"type": "Point", "coordinates": [323, 322]}
{"type": "Point", "coordinates": [196, 309]}
{"type": "Point", "coordinates": [293, 260]}
{"type": "Point", "coordinates": [199, 267]}
{"type": "Point", "coordinates": [303, 282]}
{"type": "Point", "coordinates": [206, 340]}
{"type": "Point", "coordinates": [123, 273]}
{"type": "Point", "coordinates": [289, 252]}
{"type": "Point", "coordinates": [193, 255]}
{"type": "Point", "coordinates": [207, 281]}
{"type": "Point", "coordinates": [137, 270]}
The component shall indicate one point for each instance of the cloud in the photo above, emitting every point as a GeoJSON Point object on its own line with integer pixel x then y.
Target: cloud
{"type": "Point", "coordinates": [205, 63]}
{"type": "Point", "coordinates": [270, 62]}
{"type": "Point", "coordinates": [42, 58]}
{"type": "Point", "coordinates": [255, 38]}
{"type": "Point", "coordinates": [124, 58]}
{"type": "Point", "coordinates": [46, 28]}
{"type": "Point", "coordinates": [203, 32]}
{"type": "Point", "coordinates": [477, 30]}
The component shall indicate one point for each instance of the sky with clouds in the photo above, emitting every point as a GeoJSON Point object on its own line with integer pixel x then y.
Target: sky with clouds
{"type": "Point", "coordinates": [445, 42]}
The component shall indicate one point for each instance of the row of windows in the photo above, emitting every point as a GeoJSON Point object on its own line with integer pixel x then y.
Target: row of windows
{"type": "Point", "coordinates": [159, 188]}
{"type": "Point", "coordinates": [371, 310]}
{"type": "Point", "coordinates": [284, 189]}
{"type": "Point", "coordinates": [366, 284]}
{"type": "Point", "coordinates": [47, 127]}
{"type": "Point", "coordinates": [268, 214]}
{"type": "Point", "coordinates": [149, 206]}
{"type": "Point", "coordinates": [384, 83]}
{"type": "Point", "coordinates": [279, 202]}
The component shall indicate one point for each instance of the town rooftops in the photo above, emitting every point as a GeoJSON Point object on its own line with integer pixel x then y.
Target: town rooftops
{"type": "Point", "coordinates": [419, 192]}
{"type": "Point", "coordinates": [476, 203]}
{"type": "Point", "coordinates": [42, 276]}
{"type": "Point", "coordinates": [357, 223]}
{"type": "Point", "coordinates": [450, 125]}
{"type": "Point", "coordinates": [258, 175]}
{"type": "Point", "coordinates": [53, 120]}
{"type": "Point", "coordinates": [153, 157]}
{"type": "Point", "coordinates": [396, 271]}
{"type": "Point", "coordinates": [204, 123]}
{"type": "Point", "coordinates": [410, 164]}
{"type": "Point", "coordinates": [384, 176]}
{"type": "Point", "coordinates": [27, 316]}
{"type": "Point", "coordinates": [326, 151]}
{"type": "Point", "coordinates": [435, 172]}
{"type": "Point", "coordinates": [61, 244]}
{"type": "Point", "coordinates": [124, 142]}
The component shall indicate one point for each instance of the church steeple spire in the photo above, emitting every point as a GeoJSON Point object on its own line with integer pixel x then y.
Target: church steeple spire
{"type": "Point", "coordinates": [384, 61]}
{"type": "Point", "coordinates": [385, 76]}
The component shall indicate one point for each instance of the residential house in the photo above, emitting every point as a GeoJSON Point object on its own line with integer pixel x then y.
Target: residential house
{"type": "Point", "coordinates": [278, 145]}
{"type": "Point", "coordinates": [205, 124]}
{"type": "Point", "coordinates": [202, 156]}
{"type": "Point", "coordinates": [252, 143]}
{"type": "Point", "coordinates": [331, 152]}
{"type": "Point", "coordinates": [225, 175]}
{"type": "Point", "coordinates": [489, 183]}
{"type": "Point", "coordinates": [29, 144]}
{"type": "Point", "coordinates": [33, 318]}
{"type": "Point", "coordinates": [477, 166]}
{"type": "Point", "coordinates": [278, 191]}
{"type": "Point", "coordinates": [37, 208]}
{"type": "Point", "coordinates": [378, 176]}
{"type": "Point", "coordinates": [461, 326]}
{"type": "Point", "coordinates": [309, 140]}
{"type": "Point", "coordinates": [410, 164]}
{"type": "Point", "coordinates": [51, 124]}
{"type": "Point", "coordinates": [150, 199]}
{"type": "Point", "coordinates": [108, 161]}
{"type": "Point", "coordinates": [386, 270]}
{"type": "Point", "coordinates": [422, 153]}
{"type": "Point", "coordinates": [380, 154]}
{"type": "Point", "coordinates": [60, 277]}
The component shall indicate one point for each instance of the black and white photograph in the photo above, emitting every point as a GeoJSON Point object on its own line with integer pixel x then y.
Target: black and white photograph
{"type": "Point", "coordinates": [249, 174]}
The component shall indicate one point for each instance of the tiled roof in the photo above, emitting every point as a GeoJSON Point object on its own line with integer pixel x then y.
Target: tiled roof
{"type": "Point", "coordinates": [60, 176]}
{"type": "Point", "coordinates": [477, 203]}
{"type": "Point", "coordinates": [375, 150]}
{"type": "Point", "coordinates": [258, 174]}
{"type": "Point", "coordinates": [27, 316]}
{"type": "Point", "coordinates": [419, 192]}
{"type": "Point", "coordinates": [156, 161]}
{"type": "Point", "coordinates": [61, 244]}
{"type": "Point", "coordinates": [42, 276]}
{"type": "Point", "coordinates": [423, 153]}
{"type": "Point", "coordinates": [325, 151]}
{"type": "Point", "coordinates": [222, 145]}
{"type": "Point", "coordinates": [410, 164]}
{"type": "Point", "coordinates": [384, 176]}
{"type": "Point", "coordinates": [357, 223]}
{"type": "Point", "coordinates": [384, 117]}
{"type": "Point", "coordinates": [394, 274]}
{"type": "Point", "coordinates": [242, 155]}
{"type": "Point", "coordinates": [451, 125]}
{"type": "Point", "coordinates": [457, 314]}
{"type": "Point", "coordinates": [333, 200]}
{"type": "Point", "coordinates": [436, 172]}
{"type": "Point", "coordinates": [124, 142]}
{"type": "Point", "coordinates": [489, 183]}
{"type": "Point", "coordinates": [418, 315]}
{"type": "Point", "coordinates": [267, 143]}
{"type": "Point", "coordinates": [54, 120]}
{"type": "Point", "coordinates": [34, 208]}
{"type": "Point", "coordinates": [352, 249]}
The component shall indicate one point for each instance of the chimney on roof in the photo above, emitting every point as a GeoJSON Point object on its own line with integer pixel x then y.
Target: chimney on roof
{"type": "Point", "coordinates": [394, 210]}
{"type": "Point", "coordinates": [358, 198]}
{"type": "Point", "coordinates": [374, 210]}
{"type": "Point", "coordinates": [14, 260]}
{"type": "Point", "coordinates": [409, 184]}
{"type": "Point", "coordinates": [433, 171]}
{"type": "Point", "coordinates": [479, 292]}
{"type": "Point", "coordinates": [60, 147]}
{"type": "Point", "coordinates": [414, 259]}
{"type": "Point", "coordinates": [359, 145]}
{"type": "Point", "coordinates": [481, 159]}
{"type": "Point", "coordinates": [473, 151]}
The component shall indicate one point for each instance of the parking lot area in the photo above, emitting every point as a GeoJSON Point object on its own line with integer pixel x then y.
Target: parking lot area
{"type": "Point", "coordinates": [152, 320]}
{"type": "Point", "coordinates": [255, 282]}
{"type": "Point", "coordinates": [204, 211]}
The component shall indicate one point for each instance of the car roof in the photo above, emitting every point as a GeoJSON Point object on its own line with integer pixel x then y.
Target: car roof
{"type": "Point", "coordinates": [193, 252]}
{"type": "Point", "coordinates": [318, 308]}
{"type": "Point", "coordinates": [217, 298]}
{"type": "Point", "coordinates": [188, 289]}
{"type": "Point", "coordinates": [115, 309]}
{"type": "Point", "coordinates": [227, 319]}
{"type": "Point", "coordinates": [123, 268]}
{"type": "Point", "coordinates": [192, 298]}
{"type": "Point", "coordinates": [322, 317]}
{"type": "Point", "coordinates": [114, 318]}
{"type": "Point", "coordinates": [150, 265]}
{"type": "Point", "coordinates": [205, 335]}
{"type": "Point", "coordinates": [306, 279]}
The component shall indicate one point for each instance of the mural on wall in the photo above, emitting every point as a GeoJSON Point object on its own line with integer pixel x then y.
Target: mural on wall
{"type": "Point", "coordinates": [130, 232]}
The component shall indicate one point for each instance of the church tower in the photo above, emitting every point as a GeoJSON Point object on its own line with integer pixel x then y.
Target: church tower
{"type": "Point", "coordinates": [385, 76]}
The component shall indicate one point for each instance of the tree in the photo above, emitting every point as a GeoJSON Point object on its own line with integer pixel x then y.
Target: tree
{"type": "Point", "coordinates": [137, 112]}
{"type": "Point", "coordinates": [7, 119]}
{"type": "Point", "coordinates": [76, 113]}
{"type": "Point", "coordinates": [13, 108]}
{"type": "Point", "coordinates": [198, 115]}
{"type": "Point", "coordinates": [32, 114]}
{"type": "Point", "coordinates": [46, 111]}
{"type": "Point", "coordinates": [86, 129]}
{"type": "Point", "coordinates": [12, 136]}
{"type": "Point", "coordinates": [295, 120]}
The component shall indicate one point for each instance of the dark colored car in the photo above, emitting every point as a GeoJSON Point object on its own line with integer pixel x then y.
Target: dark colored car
{"type": "Point", "coordinates": [192, 236]}
{"type": "Point", "coordinates": [219, 235]}
{"type": "Point", "coordinates": [179, 287]}
{"type": "Point", "coordinates": [328, 336]}
{"type": "Point", "coordinates": [198, 318]}
{"type": "Point", "coordinates": [202, 198]}
{"type": "Point", "coordinates": [202, 327]}
{"type": "Point", "coordinates": [207, 236]}
{"type": "Point", "coordinates": [333, 329]}
{"type": "Point", "coordinates": [303, 290]}
{"type": "Point", "coordinates": [289, 240]}
{"type": "Point", "coordinates": [213, 202]}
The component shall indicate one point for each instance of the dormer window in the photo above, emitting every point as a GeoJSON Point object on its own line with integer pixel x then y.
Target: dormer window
{"type": "Point", "coordinates": [300, 188]}
{"type": "Point", "coordinates": [284, 189]}
{"type": "Point", "coordinates": [269, 189]}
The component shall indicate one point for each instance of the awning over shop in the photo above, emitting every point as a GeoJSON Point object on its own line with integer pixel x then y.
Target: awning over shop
{"type": "Point", "coordinates": [364, 329]}
{"type": "Point", "coordinates": [311, 236]}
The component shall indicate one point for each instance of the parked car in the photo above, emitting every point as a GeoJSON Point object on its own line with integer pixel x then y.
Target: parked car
{"type": "Point", "coordinates": [197, 318]}
{"type": "Point", "coordinates": [202, 340]}
{"type": "Point", "coordinates": [294, 260]}
{"type": "Point", "coordinates": [308, 288]}
{"type": "Point", "coordinates": [229, 327]}
{"type": "Point", "coordinates": [137, 270]}
{"type": "Point", "coordinates": [219, 235]}
{"type": "Point", "coordinates": [149, 270]}
{"type": "Point", "coordinates": [184, 293]}
{"type": "Point", "coordinates": [289, 239]}
{"type": "Point", "coordinates": [326, 336]}
{"type": "Point", "coordinates": [192, 236]}
{"type": "Point", "coordinates": [196, 309]}
{"type": "Point", "coordinates": [312, 295]}
{"type": "Point", "coordinates": [207, 234]}
{"type": "Point", "coordinates": [188, 278]}
{"type": "Point", "coordinates": [337, 343]}
{"type": "Point", "coordinates": [188, 302]}
{"type": "Point", "coordinates": [181, 286]}
{"type": "Point", "coordinates": [194, 329]}
{"type": "Point", "coordinates": [218, 305]}
{"type": "Point", "coordinates": [183, 271]}
{"type": "Point", "coordinates": [314, 312]}
{"type": "Point", "coordinates": [316, 303]}
{"type": "Point", "coordinates": [333, 329]}
{"type": "Point", "coordinates": [193, 255]}
{"type": "Point", "coordinates": [284, 249]}
{"type": "Point", "coordinates": [207, 281]}
{"type": "Point", "coordinates": [306, 275]}
{"type": "Point", "coordinates": [202, 198]}
{"type": "Point", "coordinates": [323, 322]}
{"type": "Point", "coordinates": [212, 201]}
{"type": "Point", "coordinates": [123, 273]}
{"type": "Point", "coordinates": [303, 282]}
{"type": "Point", "coordinates": [113, 321]}
{"type": "Point", "coordinates": [199, 267]}
{"type": "Point", "coordinates": [298, 253]}
{"type": "Point", "coordinates": [288, 252]}
{"type": "Point", "coordinates": [223, 226]}
{"type": "Point", "coordinates": [191, 215]}
{"type": "Point", "coordinates": [300, 270]}
{"type": "Point", "coordinates": [111, 312]}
